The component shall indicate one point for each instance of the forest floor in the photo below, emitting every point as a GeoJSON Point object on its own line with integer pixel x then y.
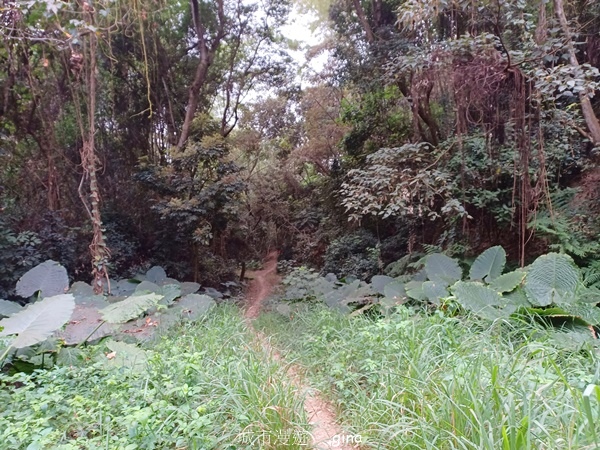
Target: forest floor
{"type": "Point", "coordinates": [320, 413]}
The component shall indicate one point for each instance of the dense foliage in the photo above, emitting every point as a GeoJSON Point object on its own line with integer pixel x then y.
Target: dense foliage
{"type": "Point", "coordinates": [431, 174]}
{"type": "Point", "coordinates": [161, 131]}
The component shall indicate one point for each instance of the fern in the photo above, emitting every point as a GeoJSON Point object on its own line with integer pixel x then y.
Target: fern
{"type": "Point", "coordinates": [565, 227]}
{"type": "Point", "coordinates": [430, 249]}
{"type": "Point", "coordinates": [591, 275]}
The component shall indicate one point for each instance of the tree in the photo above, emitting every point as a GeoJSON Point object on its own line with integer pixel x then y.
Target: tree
{"type": "Point", "coordinates": [589, 115]}
{"type": "Point", "coordinates": [492, 74]}
{"type": "Point", "coordinates": [209, 36]}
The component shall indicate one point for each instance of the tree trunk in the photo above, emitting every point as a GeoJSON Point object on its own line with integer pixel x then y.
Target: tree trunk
{"type": "Point", "coordinates": [364, 22]}
{"type": "Point", "coordinates": [589, 115]}
{"type": "Point", "coordinates": [193, 98]}
{"type": "Point", "coordinates": [243, 271]}
{"type": "Point", "coordinates": [207, 53]}
{"type": "Point", "coordinates": [98, 249]}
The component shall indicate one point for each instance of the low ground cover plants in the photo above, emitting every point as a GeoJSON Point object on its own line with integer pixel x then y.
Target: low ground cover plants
{"type": "Point", "coordinates": [430, 381]}
{"type": "Point", "coordinates": [202, 385]}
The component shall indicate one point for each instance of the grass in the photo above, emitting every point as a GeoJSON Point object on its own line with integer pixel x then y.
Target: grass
{"type": "Point", "coordinates": [206, 385]}
{"type": "Point", "coordinates": [410, 381]}
{"type": "Point", "coordinates": [416, 381]}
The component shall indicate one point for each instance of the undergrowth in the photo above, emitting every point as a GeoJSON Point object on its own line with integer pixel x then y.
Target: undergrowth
{"type": "Point", "coordinates": [206, 386]}
{"type": "Point", "coordinates": [416, 381]}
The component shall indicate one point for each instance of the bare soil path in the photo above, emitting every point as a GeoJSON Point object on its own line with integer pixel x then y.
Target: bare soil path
{"type": "Point", "coordinates": [326, 432]}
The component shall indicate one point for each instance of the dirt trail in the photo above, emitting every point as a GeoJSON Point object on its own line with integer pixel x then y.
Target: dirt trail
{"type": "Point", "coordinates": [261, 285]}
{"type": "Point", "coordinates": [326, 432]}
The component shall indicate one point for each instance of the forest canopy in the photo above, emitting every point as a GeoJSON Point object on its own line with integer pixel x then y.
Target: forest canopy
{"type": "Point", "coordinates": [184, 134]}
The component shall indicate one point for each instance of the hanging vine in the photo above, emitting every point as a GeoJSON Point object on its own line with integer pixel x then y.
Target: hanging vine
{"type": "Point", "coordinates": [99, 251]}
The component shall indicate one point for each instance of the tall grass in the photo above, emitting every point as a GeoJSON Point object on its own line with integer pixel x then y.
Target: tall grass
{"type": "Point", "coordinates": [416, 381]}
{"type": "Point", "coordinates": [207, 386]}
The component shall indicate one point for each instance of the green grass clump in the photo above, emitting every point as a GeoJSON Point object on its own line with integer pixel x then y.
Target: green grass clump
{"type": "Point", "coordinates": [417, 381]}
{"type": "Point", "coordinates": [206, 385]}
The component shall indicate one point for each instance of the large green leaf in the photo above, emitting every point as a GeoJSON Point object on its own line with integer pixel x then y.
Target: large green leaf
{"type": "Point", "coordinates": [169, 292]}
{"type": "Point", "coordinates": [589, 313]}
{"type": "Point", "coordinates": [156, 275]}
{"type": "Point", "coordinates": [478, 298]}
{"type": "Point", "coordinates": [147, 286]}
{"type": "Point", "coordinates": [440, 267]}
{"type": "Point", "coordinates": [348, 293]}
{"type": "Point", "coordinates": [130, 308]}
{"type": "Point", "coordinates": [378, 282]}
{"type": "Point", "coordinates": [321, 287]}
{"type": "Point", "coordinates": [81, 289]}
{"type": "Point", "coordinates": [39, 320]}
{"type": "Point", "coordinates": [212, 292]}
{"type": "Point", "coordinates": [435, 291]}
{"type": "Point", "coordinates": [8, 308]}
{"type": "Point", "coordinates": [189, 287]}
{"type": "Point", "coordinates": [555, 316]}
{"type": "Point", "coordinates": [508, 281]}
{"type": "Point", "coordinates": [394, 294]}
{"type": "Point", "coordinates": [414, 289]}
{"type": "Point", "coordinates": [489, 265]}
{"type": "Point", "coordinates": [588, 295]}
{"type": "Point", "coordinates": [514, 301]}
{"type": "Point", "coordinates": [49, 277]}
{"type": "Point", "coordinates": [395, 290]}
{"type": "Point", "coordinates": [552, 278]}
{"type": "Point", "coordinates": [126, 355]}
{"type": "Point", "coordinates": [69, 356]}
{"type": "Point", "coordinates": [123, 287]}
{"type": "Point", "coordinates": [194, 306]}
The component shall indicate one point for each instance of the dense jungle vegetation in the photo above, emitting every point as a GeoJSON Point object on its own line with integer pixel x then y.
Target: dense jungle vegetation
{"type": "Point", "coordinates": [183, 134]}
{"type": "Point", "coordinates": [429, 173]}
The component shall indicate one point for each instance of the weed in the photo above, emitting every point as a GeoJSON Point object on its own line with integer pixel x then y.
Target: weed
{"type": "Point", "coordinates": [204, 387]}
{"type": "Point", "coordinates": [416, 381]}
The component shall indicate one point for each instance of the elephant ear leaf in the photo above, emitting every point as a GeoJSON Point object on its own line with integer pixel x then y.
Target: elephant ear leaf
{"type": "Point", "coordinates": [442, 268]}
{"type": "Point", "coordinates": [156, 275]}
{"type": "Point", "coordinates": [127, 355]}
{"type": "Point", "coordinates": [39, 320]}
{"type": "Point", "coordinates": [552, 278]}
{"type": "Point", "coordinates": [49, 277]}
{"type": "Point", "coordinates": [7, 308]}
{"type": "Point", "coordinates": [489, 265]}
{"type": "Point", "coordinates": [130, 308]}
{"type": "Point", "coordinates": [479, 299]}
{"type": "Point", "coordinates": [508, 282]}
{"type": "Point", "coordinates": [379, 282]}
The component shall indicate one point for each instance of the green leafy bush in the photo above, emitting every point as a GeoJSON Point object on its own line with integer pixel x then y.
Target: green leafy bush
{"type": "Point", "coordinates": [18, 253]}
{"type": "Point", "coordinates": [353, 254]}
{"type": "Point", "coordinates": [551, 287]}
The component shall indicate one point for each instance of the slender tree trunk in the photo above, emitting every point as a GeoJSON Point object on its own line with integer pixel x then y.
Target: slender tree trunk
{"type": "Point", "coordinates": [243, 271]}
{"type": "Point", "coordinates": [589, 115]}
{"type": "Point", "coordinates": [98, 249]}
{"type": "Point", "coordinates": [364, 22]}
{"type": "Point", "coordinates": [207, 53]}
{"type": "Point", "coordinates": [193, 98]}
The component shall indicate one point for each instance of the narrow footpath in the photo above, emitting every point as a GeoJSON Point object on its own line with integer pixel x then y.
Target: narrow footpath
{"type": "Point", "coordinates": [319, 412]}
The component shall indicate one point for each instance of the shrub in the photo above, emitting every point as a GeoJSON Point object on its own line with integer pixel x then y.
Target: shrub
{"type": "Point", "coordinates": [354, 254]}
